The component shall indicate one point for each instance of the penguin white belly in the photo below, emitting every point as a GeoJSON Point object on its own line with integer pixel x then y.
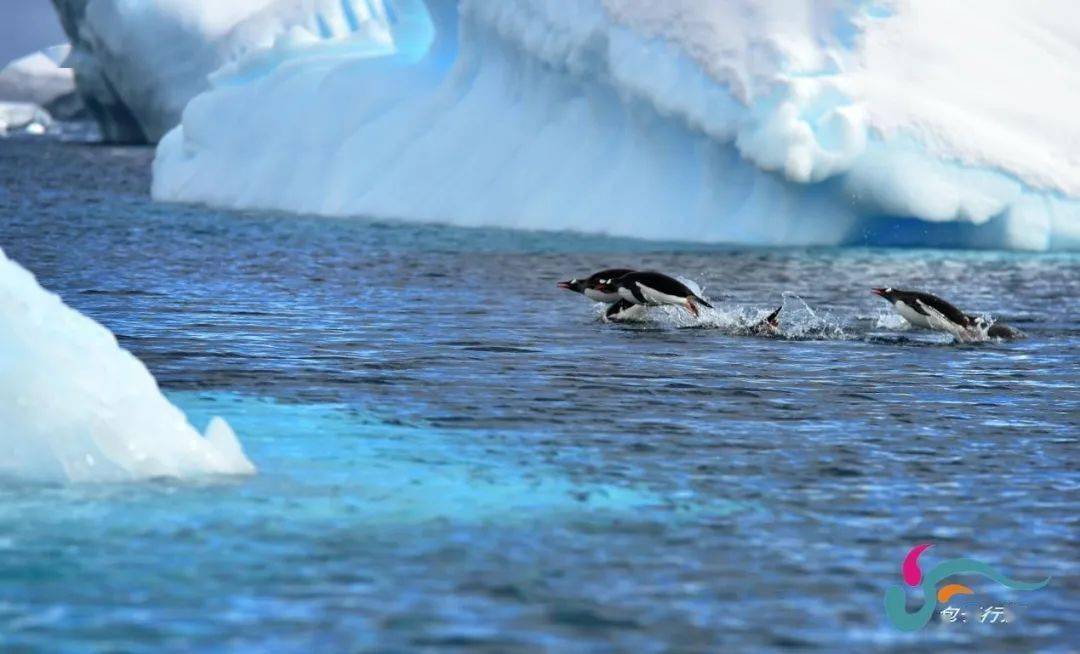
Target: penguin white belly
{"type": "Point", "coordinates": [911, 315]}
{"type": "Point", "coordinates": [656, 297]}
{"type": "Point", "coordinates": [600, 296]}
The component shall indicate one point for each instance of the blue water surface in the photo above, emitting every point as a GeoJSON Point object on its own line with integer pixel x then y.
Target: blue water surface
{"type": "Point", "coordinates": [454, 455]}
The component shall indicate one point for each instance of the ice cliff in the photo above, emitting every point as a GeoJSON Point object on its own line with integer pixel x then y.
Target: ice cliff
{"type": "Point", "coordinates": [75, 407]}
{"type": "Point", "coordinates": [750, 121]}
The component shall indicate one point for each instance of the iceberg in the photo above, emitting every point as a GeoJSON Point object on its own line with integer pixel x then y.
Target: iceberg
{"type": "Point", "coordinates": [75, 407]}
{"type": "Point", "coordinates": [137, 64]}
{"type": "Point", "coordinates": [771, 122]}
{"type": "Point", "coordinates": [39, 78]}
{"type": "Point", "coordinates": [34, 89]}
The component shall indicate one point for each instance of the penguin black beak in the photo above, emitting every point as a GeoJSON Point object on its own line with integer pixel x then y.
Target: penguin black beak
{"type": "Point", "coordinates": [880, 292]}
{"type": "Point", "coordinates": [568, 286]}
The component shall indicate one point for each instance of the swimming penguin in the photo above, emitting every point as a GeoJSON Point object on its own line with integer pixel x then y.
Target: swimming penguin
{"type": "Point", "coordinates": [769, 325]}
{"type": "Point", "coordinates": [1001, 330]}
{"type": "Point", "coordinates": [590, 286]}
{"type": "Point", "coordinates": [931, 312]}
{"type": "Point", "coordinates": [651, 288]}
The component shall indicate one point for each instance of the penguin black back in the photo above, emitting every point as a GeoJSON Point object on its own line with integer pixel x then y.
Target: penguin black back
{"type": "Point", "coordinates": [658, 282]}
{"type": "Point", "coordinates": [1001, 330]}
{"type": "Point", "coordinates": [608, 275]}
{"type": "Point", "coordinates": [917, 299]}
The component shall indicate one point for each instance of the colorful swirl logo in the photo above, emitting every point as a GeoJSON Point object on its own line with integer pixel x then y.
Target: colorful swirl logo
{"type": "Point", "coordinates": [896, 605]}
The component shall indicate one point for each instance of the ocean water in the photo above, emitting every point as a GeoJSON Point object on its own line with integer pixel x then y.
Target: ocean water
{"type": "Point", "coordinates": [456, 456]}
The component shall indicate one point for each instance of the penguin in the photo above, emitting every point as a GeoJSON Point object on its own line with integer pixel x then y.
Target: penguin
{"type": "Point", "coordinates": [590, 286]}
{"type": "Point", "coordinates": [623, 311]}
{"type": "Point", "coordinates": [652, 288]}
{"type": "Point", "coordinates": [931, 312]}
{"type": "Point", "coordinates": [769, 325]}
{"type": "Point", "coordinates": [1003, 331]}
{"type": "Point", "coordinates": [916, 307]}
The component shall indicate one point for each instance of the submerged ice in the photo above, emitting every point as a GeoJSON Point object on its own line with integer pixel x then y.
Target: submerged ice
{"type": "Point", "coordinates": [75, 407]}
{"type": "Point", "coordinates": [751, 121]}
{"type": "Point", "coordinates": [384, 473]}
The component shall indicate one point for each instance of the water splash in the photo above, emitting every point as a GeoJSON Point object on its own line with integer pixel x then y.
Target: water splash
{"type": "Point", "coordinates": [798, 321]}
{"type": "Point", "coordinates": [888, 319]}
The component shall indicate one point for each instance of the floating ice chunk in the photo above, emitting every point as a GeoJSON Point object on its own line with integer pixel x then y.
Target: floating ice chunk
{"type": "Point", "coordinates": [23, 115]}
{"type": "Point", "coordinates": [37, 78]}
{"type": "Point", "coordinates": [75, 407]}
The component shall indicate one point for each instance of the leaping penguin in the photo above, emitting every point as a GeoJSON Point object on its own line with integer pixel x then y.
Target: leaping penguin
{"type": "Point", "coordinates": [652, 288]}
{"type": "Point", "coordinates": [931, 312]}
{"type": "Point", "coordinates": [590, 287]}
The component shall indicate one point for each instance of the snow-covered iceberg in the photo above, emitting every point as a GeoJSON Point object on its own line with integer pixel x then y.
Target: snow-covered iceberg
{"type": "Point", "coordinates": [75, 407]}
{"type": "Point", "coordinates": [749, 121]}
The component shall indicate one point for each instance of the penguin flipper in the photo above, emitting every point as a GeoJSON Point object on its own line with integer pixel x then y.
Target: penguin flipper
{"type": "Point", "coordinates": [772, 317]}
{"type": "Point", "coordinates": [615, 310]}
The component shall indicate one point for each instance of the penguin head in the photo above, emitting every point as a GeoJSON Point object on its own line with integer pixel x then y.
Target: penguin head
{"type": "Point", "coordinates": [887, 293]}
{"type": "Point", "coordinates": [606, 286]}
{"type": "Point", "coordinates": [575, 285]}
